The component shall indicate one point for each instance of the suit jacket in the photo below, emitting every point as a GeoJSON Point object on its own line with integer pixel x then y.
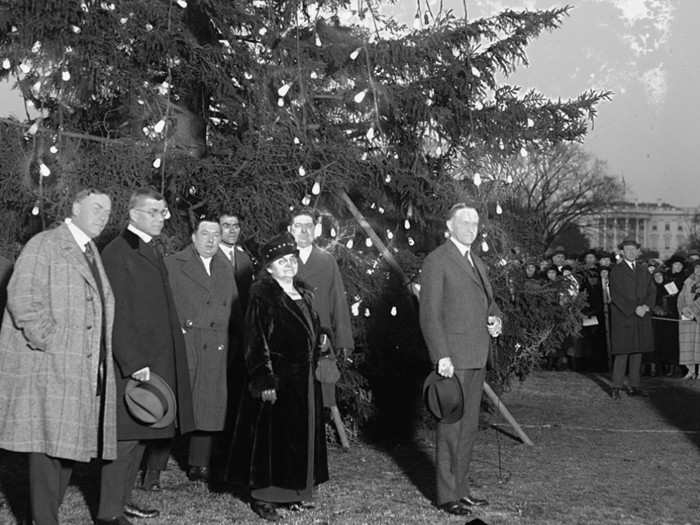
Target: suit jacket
{"type": "Point", "coordinates": [203, 304]}
{"type": "Point", "coordinates": [146, 331]}
{"type": "Point", "coordinates": [50, 350]}
{"type": "Point", "coordinates": [321, 272]}
{"type": "Point", "coordinates": [455, 302]}
{"type": "Point", "coordinates": [629, 289]}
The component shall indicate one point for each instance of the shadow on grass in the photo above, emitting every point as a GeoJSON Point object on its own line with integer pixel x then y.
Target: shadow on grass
{"type": "Point", "coordinates": [679, 405]}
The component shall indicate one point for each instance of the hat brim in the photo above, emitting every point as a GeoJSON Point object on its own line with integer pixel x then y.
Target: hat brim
{"type": "Point", "coordinates": [165, 393]}
{"type": "Point", "coordinates": [444, 397]}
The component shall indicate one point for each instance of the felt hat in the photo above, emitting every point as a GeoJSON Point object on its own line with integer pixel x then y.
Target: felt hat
{"type": "Point", "coordinates": [279, 246]}
{"type": "Point", "coordinates": [559, 250]}
{"type": "Point", "coordinates": [151, 403]}
{"type": "Point", "coordinates": [676, 258]}
{"type": "Point", "coordinates": [444, 397]}
{"type": "Point", "coordinates": [629, 241]}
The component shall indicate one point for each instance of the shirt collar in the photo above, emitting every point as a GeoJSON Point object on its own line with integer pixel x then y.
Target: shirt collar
{"type": "Point", "coordinates": [304, 253]}
{"type": "Point", "coordinates": [142, 235]}
{"type": "Point", "coordinates": [79, 235]}
{"type": "Point", "coordinates": [463, 248]}
{"type": "Point", "coordinates": [227, 249]}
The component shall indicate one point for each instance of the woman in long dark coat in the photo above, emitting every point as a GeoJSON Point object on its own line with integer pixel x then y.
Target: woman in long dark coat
{"type": "Point", "coordinates": [278, 448]}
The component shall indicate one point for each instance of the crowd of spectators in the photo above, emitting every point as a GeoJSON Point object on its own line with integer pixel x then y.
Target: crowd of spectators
{"type": "Point", "coordinates": [588, 273]}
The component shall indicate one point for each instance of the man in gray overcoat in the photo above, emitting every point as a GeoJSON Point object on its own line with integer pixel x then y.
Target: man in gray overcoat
{"type": "Point", "coordinates": [458, 316]}
{"type": "Point", "coordinates": [632, 296]}
{"type": "Point", "coordinates": [201, 279]}
{"type": "Point", "coordinates": [57, 391]}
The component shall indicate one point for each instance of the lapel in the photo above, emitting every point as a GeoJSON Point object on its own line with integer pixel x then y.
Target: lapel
{"type": "Point", "coordinates": [453, 252]}
{"type": "Point", "coordinates": [143, 249]}
{"type": "Point", "coordinates": [74, 254]}
{"type": "Point", "coordinates": [294, 309]}
{"type": "Point", "coordinates": [193, 267]}
{"type": "Point", "coordinates": [480, 269]}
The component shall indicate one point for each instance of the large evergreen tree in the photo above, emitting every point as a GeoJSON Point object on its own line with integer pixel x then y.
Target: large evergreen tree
{"type": "Point", "coordinates": [264, 105]}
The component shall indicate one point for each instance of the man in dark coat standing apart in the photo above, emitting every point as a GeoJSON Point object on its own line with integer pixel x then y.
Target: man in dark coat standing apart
{"type": "Point", "coordinates": [632, 296]}
{"type": "Point", "coordinates": [200, 278]}
{"type": "Point", "coordinates": [458, 316]}
{"type": "Point", "coordinates": [242, 262]}
{"type": "Point", "coordinates": [147, 340]}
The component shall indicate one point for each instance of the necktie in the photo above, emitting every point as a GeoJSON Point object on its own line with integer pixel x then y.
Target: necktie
{"type": "Point", "coordinates": [90, 256]}
{"type": "Point", "coordinates": [634, 265]}
{"type": "Point", "coordinates": [468, 256]}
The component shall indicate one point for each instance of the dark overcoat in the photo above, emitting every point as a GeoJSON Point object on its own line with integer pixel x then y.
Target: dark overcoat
{"type": "Point", "coordinates": [269, 446]}
{"type": "Point", "coordinates": [203, 304]}
{"type": "Point", "coordinates": [146, 331]}
{"type": "Point", "coordinates": [244, 271]}
{"type": "Point", "coordinates": [629, 333]}
{"type": "Point", "coordinates": [321, 272]}
{"type": "Point", "coordinates": [50, 350]}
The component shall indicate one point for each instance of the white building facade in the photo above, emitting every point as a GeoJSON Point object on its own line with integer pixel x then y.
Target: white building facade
{"type": "Point", "coordinates": [660, 227]}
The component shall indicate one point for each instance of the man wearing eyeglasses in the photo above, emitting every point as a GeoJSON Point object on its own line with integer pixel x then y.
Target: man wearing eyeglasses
{"type": "Point", "coordinates": [319, 269]}
{"type": "Point", "coordinates": [147, 341]}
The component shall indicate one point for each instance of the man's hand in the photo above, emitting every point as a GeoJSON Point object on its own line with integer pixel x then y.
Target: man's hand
{"type": "Point", "coordinates": [269, 396]}
{"type": "Point", "coordinates": [445, 367]}
{"type": "Point", "coordinates": [641, 310]}
{"type": "Point", "coordinates": [142, 375]}
{"type": "Point", "coordinates": [494, 325]}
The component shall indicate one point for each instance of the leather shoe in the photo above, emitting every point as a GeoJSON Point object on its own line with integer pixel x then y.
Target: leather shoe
{"type": "Point", "coordinates": [198, 474]}
{"type": "Point", "coordinates": [636, 391]}
{"type": "Point", "coordinates": [267, 511]}
{"type": "Point", "coordinates": [133, 511]}
{"type": "Point", "coordinates": [471, 501]}
{"type": "Point", "coordinates": [615, 393]}
{"type": "Point", "coordinates": [455, 507]}
{"type": "Point", "coordinates": [120, 520]}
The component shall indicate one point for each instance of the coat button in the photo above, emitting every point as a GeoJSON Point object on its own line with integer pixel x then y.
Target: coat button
{"type": "Point", "coordinates": [220, 348]}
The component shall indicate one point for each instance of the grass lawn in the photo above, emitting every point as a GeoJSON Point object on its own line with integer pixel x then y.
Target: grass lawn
{"type": "Point", "coordinates": [595, 461]}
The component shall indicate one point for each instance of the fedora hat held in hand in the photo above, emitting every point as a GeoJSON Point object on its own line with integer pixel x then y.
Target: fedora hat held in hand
{"type": "Point", "coordinates": [443, 397]}
{"type": "Point", "coordinates": [151, 403]}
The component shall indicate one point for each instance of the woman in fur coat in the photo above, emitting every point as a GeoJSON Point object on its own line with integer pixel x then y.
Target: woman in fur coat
{"type": "Point", "coordinates": [279, 449]}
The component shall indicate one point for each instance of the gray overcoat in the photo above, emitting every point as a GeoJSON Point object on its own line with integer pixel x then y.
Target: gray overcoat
{"type": "Point", "coordinates": [203, 304]}
{"type": "Point", "coordinates": [49, 353]}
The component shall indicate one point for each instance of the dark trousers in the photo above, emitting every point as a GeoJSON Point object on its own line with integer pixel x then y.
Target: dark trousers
{"type": "Point", "coordinates": [455, 441]}
{"type": "Point", "coordinates": [200, 449]}
{"type": "Point", "coordinates": [118, 478]}
{"type": "Point", "coordinates": [48, 481]}
{"type": "Point", "coordinates": [157, 454]}
{"type": "Point", "coordinates": [621, 362]}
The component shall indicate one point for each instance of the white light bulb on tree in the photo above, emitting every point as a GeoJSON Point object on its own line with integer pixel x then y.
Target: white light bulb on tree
{"type": "Point", "coordinates": [476, 72]}
{"type": "Point", "coordinates": [318, 230]}
{"type": "Point", "coordinates": [36, 47]}
{"type": "Point", "coordinates": [509, 179]}
{"type": "Point", "coordinates": [499, 210]}
{"type": "Point", "coordinates": [284, 89]}
{"type": "Point", "coordinates": [296, 141]}
{"type": "Point", "coordinates": [6, 63]}
{"type": "Point", "coordinates": [156, 163]}
{"type": "Point", "coordinates": [368, 242]}
{"type": "Point", "coordinates": [53, 149]}
{"type": "Point", "coordinates": [350, 244]}
{"type": "Point", "coordinates": [44, 170]}
{"type": "Point", "coordinates": [35, 210]}
{"type": "Point", "coordinates": [477, 179]}
{"type": "Point", "coordinates": [355, 308]}
{"type": "Point", "coordinates": [407, 224]}
{"type": "Point", "coordinates": [160, 126]}
{"type": "Point", "coordinates": [306, 200]}
{"type": "Point", "coordinates": [316, 189]}
{"type": "Point", "coordinates": [530, 123]}
{"type": "Point", "coordinates": [417, 24]}
{"type": "Point", "coordinates": [370, 133]}
{"type": "Point", "coordinates": [389, 235]}
{"type": "Point", "coordinates": [387, 178]}
{"type": "Point", "coordinates": [393, 311]}
{"type": "Point", "coordinates": [317, 41]}
{"type": "Point", "coordinates": [367, 312]}
{"type": "Point", "coordinates": [355, 54]}
{"type": "Point", "coordinates": [182, 3]}
{"type": "Point", "coordinates": [65, 76]}
{"type": "Point", "coordinates": [302, 171]}
{"type": "Point", "coordinates": [280, 102]}
{"type": "Point", "coordinates": [333, 233]}
{"type": "Point", "coordinates": [314, 75]}
{"type": "Point", "coordinates": [411, 242]}
{"type": "Point", "coordinates": [33, 128]}
{"type": "Point", "coordinates": [523, 152]}
{"type": "Point", "coordinates": [484, 246]}
{"type": "Point", "coordinates": [359, 97]}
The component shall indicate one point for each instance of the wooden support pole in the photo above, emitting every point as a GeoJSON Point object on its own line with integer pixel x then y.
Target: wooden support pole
{"type": "Point", "coordinates": [338, 422]}
{"type": "Point", "coordinates": [507, 415]}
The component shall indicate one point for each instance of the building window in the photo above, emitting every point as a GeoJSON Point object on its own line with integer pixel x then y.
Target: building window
{"type": "Point", "coordinates": [680, 228]}
{"type": "Point", "coordinates": [654, 227]}
{"type": "Point", "coordinates": [667, 242]}
{"type": "Point", "coordinates": [668, 227]}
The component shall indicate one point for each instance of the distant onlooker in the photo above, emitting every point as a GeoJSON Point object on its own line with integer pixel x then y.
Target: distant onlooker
{"type": "Point", "coordinates": [688, 328]}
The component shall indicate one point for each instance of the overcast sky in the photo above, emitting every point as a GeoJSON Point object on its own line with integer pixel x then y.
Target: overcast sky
{"type": "Point", "coordinates": [646, 51]}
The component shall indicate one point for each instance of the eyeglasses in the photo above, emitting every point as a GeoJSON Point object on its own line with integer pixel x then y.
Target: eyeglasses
{"type": "Point", "coordinates": [154, 213]}
{"type": "Point", "coordinates": [306, 226]}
